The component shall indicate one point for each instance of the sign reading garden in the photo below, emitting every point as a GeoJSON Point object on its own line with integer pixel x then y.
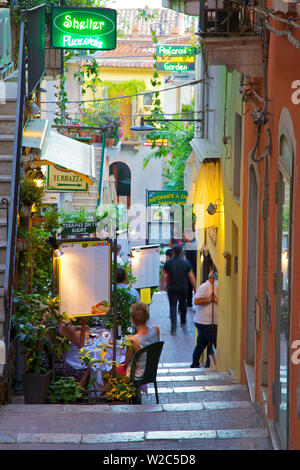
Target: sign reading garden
{"type": "Point", "coordinates": [83, 28]}
{"type": "Point", "coordinates": [175, 58]}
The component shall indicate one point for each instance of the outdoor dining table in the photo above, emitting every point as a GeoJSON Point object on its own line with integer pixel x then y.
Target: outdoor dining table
{"type": "Point", "coordinates": [93, 348]}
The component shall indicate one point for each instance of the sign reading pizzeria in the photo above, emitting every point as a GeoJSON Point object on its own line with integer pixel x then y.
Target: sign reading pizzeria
{"type": "Point", "coordinates": [175, 58]}
{"type": "Point", "coordinates": [83, 28]}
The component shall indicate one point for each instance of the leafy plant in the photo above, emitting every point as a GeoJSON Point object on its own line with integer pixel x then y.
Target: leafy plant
{"type": "Point", "coordinates": [30, 193]}
{"type": "Point", "coordinates": [118, 388]}
{"type": "Point", "coordinates": [34, 324]}
{"type": "Point", "coordinates": [51, 220]}
{"type": "Point", "coordinates": [124, 302]}
{"type": "Point", "coordinates": [77, 215]}
{"type": "Point", "coordinates": [64, 390]}
{"type": "Point", "coordinates": [176, 153]}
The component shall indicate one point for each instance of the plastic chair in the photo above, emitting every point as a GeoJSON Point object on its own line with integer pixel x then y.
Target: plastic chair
{"type": "Point", "coordinates": [153, 352]}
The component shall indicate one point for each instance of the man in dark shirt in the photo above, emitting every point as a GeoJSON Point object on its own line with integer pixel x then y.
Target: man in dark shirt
{"type": "Point", "coordinates": [179, 274]}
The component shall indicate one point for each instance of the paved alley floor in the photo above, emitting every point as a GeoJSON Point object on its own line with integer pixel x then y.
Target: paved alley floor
{"type": "Point", "coordinates": [199, 409]}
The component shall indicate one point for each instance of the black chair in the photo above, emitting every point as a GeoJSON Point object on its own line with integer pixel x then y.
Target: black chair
{"type": "Point", "coordinates": [153, 352]}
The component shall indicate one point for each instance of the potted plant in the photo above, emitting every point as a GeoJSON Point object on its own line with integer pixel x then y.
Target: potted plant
{"type": "Point", "coordinates": [65, 390]}
{"type": "Point", "coordinates": [30, 194]}
{"type": "Point", "coordinates": [119, 389]}
{"type": "Point", "coordinates": [37, 219]}
{"type": "Point", "coordinates": [22, 239]}
{"type": "Point", "coordinates": [34, 324]}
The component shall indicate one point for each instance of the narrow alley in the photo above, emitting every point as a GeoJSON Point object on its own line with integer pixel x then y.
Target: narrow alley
{"type": "Point", "coordinates": [200, 409]}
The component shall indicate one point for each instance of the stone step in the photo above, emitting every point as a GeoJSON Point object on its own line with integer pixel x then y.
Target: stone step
{"type": "Point", "coordinates": [260, 436]}
{"type": "Point", "coordinates": [7, 124]}
{"type": "Point", "coordinates": [5, 182]}
{"type": "Point", "coordinates": [6, 164]}
{"type": "Point", "coordinates": [3, 230]}
{"type": "Point", "coordinates": [2, 273]}
{"type": "Point", "coordinates": [9, 107]}
{"type": "Point", "coordinates": [2, 252]}
{"type": "Point", "coordinates": [6, 144]}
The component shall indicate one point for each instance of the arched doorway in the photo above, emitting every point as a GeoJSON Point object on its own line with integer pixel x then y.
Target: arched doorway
{"type": "Point", "coordinates": [283, 286]}
{"type": "Point", "coordinates": [252, 266]}
{"type": "Point", "coordinates": [122, 175]}
{"type": "Point", "coordinates": [266, 319]}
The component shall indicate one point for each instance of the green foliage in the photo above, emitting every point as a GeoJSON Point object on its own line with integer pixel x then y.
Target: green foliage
{"type": "Point", "coordinates": [126, 87]}
{"type": "Point", "coordinates": [38, 260]}
{"type": "Point", "coordinates": [124, 302]}
{"type": "Point", "coordinates": [51, 220]}
{"type": "Point", "coordinates": [88, 76]}
{"type": "Point", "coordinates": [104, 113]}
{"type": "Point", "coordinates": [34, 325]}
{"type": "Point", "coordinates": [30, 193]}
{"type": "Point", "coordinates": [64, 390]}
{"type": "Point", "coordinates": [77, 215]}
{"type": "Point", "coordinates": [176, 153]}
{"type": "Point", "coordinates": [119, 388]}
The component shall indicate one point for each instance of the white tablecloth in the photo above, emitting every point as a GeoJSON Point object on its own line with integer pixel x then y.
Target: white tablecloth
{"type": "Point", "coordinates": [97, 369]}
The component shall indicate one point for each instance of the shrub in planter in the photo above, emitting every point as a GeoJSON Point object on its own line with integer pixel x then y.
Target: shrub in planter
{"type": "Point", "coordinates": [119, 389]}
{"type": "Point", "coordinates": [30, 193]}
{"type": "Point", "coordinates": [65, 390]}
{"type": "Point", "coordinates": [34, 326]}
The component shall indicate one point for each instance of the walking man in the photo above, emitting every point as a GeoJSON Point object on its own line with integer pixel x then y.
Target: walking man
{"type": "Point", "coordinates": [179, 273]}
{"type": "Point", "coordinates": [206, 316]}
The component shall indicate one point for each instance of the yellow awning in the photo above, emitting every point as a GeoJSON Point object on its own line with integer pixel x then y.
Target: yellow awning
{"type": "Point", "coordinates": [56, 149]}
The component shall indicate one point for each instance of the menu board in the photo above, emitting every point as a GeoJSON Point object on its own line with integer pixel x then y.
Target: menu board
{"type": "Point", "coordinates": [84, 276]}
{"type": "Point", "coordinates": [145, 262]}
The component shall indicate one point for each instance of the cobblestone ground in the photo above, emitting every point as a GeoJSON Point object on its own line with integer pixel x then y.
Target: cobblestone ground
{"type": "Point", "coordinates": [200, 409]}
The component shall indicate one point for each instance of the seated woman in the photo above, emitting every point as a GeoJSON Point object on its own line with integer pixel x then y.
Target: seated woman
{"type": "Point", "coordinates": [69, 365]}
{"type": "Point", "coordinates": [145, 335]}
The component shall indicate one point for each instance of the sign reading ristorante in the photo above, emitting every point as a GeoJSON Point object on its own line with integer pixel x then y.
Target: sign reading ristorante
{"type": "Point", "coordinates": [158, 198]}
{"type": "Point", "coordinates": [175, 58]}
{"type": "Point", "coordinates": [83, 28]}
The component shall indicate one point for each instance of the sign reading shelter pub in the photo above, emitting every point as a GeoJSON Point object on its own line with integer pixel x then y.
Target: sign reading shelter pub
{"type": "Point", "coordinates": [83, 28]}
{"type": "Point", "coordinates": [177, 58]}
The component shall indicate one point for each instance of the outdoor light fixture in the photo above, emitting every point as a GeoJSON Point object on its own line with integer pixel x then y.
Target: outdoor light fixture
{"type": "Point", "coordinates": [37, 175]}
{"type": "Point", "coordinates": [212, 208]}
{"type": "Point", "coordinates": [52, 240]}
{"type": "Point", "coordinates": [33, 109]}
{"type": "Point", "coordinates": [40, 89]}
{"type": "Point", "coordinates": [145, 128]}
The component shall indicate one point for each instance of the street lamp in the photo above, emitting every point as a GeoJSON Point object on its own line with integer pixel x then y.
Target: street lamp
{"type": "Point", "coordinates": [145, 128]}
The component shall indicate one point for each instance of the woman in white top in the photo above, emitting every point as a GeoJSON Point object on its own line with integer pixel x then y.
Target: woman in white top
{"type": "Point", "coordinates": [145, 335]}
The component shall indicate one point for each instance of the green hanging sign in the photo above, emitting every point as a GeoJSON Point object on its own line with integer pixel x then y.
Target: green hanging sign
{"type": "Point", "coordinates": [83, 28]}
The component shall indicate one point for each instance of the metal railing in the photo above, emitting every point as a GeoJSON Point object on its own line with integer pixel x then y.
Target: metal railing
{"type": "Point", "coordinates": [4, 205]}
{"type": "Point", "coordinates": [227, 17]}
{"type": "Point", "coordinates": [15, 190]}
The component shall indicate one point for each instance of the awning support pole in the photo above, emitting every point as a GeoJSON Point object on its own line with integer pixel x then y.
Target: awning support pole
{"type": "Point", "coordinates": [101, 169]}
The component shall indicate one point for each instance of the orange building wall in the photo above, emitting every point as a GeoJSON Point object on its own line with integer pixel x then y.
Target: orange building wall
{"type": "Point", "coordinates": [283, 70]}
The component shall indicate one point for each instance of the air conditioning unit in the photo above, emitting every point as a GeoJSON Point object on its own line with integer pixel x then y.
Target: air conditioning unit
{"type": "Point", "coordinates": [5, 38]}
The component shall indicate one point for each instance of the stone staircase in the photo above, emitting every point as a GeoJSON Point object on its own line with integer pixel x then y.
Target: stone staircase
{"type": "Point", "coordinates": [199, 409]}
{"type": "Point", "coordinates": [7, 125]}
{"type": "Point", "coordinates": [89, 198]}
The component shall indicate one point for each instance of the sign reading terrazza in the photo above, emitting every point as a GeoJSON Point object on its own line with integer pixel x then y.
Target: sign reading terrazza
{"type": "Point", "coordinates": [158, 198]}
{"type": "Point", "coordinates": [83, 28]}
{"type": "Point", "coordinates": [61, 179]}
{"type": "Point", "coordinates": [177, 58]}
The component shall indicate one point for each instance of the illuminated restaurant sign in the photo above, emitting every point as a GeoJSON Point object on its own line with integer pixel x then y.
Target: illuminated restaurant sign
{"type": "Point", "coordinates": [177, 58]}
{"type": "Point", "coordinates": [83, 28]}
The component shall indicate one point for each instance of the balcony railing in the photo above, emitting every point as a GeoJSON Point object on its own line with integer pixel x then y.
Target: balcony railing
{"type": "Point", "coordinates": [227, 17]}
